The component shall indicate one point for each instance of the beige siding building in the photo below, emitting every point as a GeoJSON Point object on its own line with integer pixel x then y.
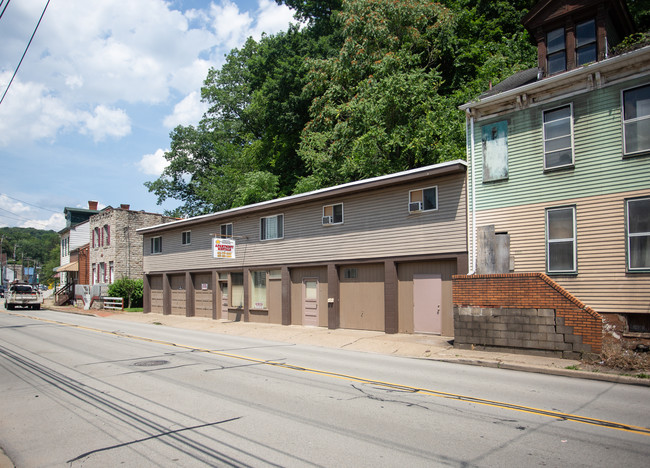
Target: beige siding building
{"type": "Point", "coordinates": [376, 254]}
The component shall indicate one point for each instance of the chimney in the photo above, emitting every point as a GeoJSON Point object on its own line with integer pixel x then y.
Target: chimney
{"type": "Point", "coordinates": [124, 206]}
{"type": "Point", "coordinates": [92, 205]}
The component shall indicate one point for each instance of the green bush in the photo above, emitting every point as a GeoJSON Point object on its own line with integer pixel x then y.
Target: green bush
{"type": "Point", "coordinates": [128, 289]}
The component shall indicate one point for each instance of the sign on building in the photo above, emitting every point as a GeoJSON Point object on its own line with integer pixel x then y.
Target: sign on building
{"type": "Point", "coordinates": [223, 248]}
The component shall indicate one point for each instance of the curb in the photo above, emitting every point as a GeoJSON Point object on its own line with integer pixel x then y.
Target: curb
{"type": "Point", "coordinates": [578, 374]}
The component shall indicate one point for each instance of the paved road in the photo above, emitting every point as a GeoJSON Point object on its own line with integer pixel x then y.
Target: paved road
{"type": "Point", "coordinates": [87, 391]}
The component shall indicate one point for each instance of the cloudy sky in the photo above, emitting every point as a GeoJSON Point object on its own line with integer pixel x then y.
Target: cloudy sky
{"type": "Point", "coordinates": [103, 83]}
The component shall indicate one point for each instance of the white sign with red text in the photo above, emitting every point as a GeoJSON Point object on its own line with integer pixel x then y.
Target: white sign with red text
{"type": "Point", "coordinates": [223, 248]}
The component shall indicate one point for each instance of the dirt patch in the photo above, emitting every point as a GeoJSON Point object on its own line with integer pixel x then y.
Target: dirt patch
{"type": "Point", "coordinates": [615, 359]}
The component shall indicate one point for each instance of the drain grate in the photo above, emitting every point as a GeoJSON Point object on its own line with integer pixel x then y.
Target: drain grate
{"type": "Point", "coordinates": [151, 363]}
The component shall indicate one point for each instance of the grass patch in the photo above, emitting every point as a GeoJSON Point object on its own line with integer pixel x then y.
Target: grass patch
{"type": "Point", "coordinates": [642, 376]}
{"type": "Point", "coordinates": [133, 309]}
{"type": "Point", "coordinates": [573, 367]}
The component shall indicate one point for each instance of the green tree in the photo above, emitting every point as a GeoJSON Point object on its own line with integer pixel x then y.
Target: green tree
{"type": "Point", "coordinates": [128, 289]}
{"type": "Point", "coordinates": [377, 107]}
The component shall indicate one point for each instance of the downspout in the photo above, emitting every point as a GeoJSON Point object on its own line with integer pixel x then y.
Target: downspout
{"type": "Point", "coordinates": [472, 157]}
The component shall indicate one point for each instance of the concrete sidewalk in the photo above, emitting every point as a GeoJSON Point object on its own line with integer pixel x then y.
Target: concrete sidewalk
{"type": "Point", "coordinates": [437, 348]}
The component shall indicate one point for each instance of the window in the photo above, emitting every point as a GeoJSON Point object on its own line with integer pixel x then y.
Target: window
{"type": "Point", "coordinates": [226, 230]}
{"type": "Point", "coordinates": [106, 235]}
{"type": "Point", "coordinates": [333, 214]}
{"type": "Point", "coordinates": [111, 272]}
{"type": "Point", "coordinates": [258, 290]}
{"type": "Point", "coordinates": [101, 275]}
{"type": "Point", "coordinates": [96, 241]}
{"type": "Point", "coordinates": [561, 240]}
{"type": "Point", "coordinates": [237, 290]}
{"type": "Point", "coordinates": [558, 141]}
{"type": "Point", "coordinates": [555, 51]}
{"type": "Point", "coordinates": [636, 120]}
{"type": "Point", "coordinates": [272, 227]}
{"type": "Point", "coordinates": [586, 42]}
{"type": "Point", "coordinates": [156, 245]}
{"type": "Point", "coordinates": [423, 199]}
{"type": "Point", "coordinates": [350, 273]}
{"type": "Point", "coordinates": [637, 227]}
{"type": "Point", "coordinates": [93, 280]}
{"type": "Point", "coordinates": [186, 237]}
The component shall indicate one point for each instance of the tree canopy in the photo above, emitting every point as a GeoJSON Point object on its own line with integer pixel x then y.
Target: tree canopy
{"type": "Point", "coordinates": [357, 88]}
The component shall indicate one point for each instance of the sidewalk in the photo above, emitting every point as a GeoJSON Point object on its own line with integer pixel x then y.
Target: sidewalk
{"type": "Point", "coordinates": [437, 348]}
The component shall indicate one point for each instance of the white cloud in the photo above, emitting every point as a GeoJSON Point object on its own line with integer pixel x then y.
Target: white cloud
{"type": "Point", "coordinates": [187, 112]}
{"type": "Point", "coordinates": [15, 213]}
{"type": "Point", "coordinates": [106, 122]}
{"type": "Point", "coordinates": [56, 222]}
{"type": "Point", "coordinates": [122, 54]}
{"type": "Point", "coordinates": [272, 17]}
{"type": "Point", "coordinates": [153, 164]}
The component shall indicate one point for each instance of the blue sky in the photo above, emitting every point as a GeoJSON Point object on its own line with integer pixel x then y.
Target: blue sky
{"type": "Point", "coordinates": [103, 83]}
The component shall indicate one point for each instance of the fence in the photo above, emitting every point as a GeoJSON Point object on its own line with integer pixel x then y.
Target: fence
{"type": "Point", "coordinates": [114, 303]}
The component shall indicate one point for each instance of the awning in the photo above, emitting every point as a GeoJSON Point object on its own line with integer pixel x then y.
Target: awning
{"type": "Point", "coordinates": [74, 266]}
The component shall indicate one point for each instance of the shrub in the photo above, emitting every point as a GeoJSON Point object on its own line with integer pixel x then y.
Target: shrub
{"type": "Point", "coordinates": [128, 289]}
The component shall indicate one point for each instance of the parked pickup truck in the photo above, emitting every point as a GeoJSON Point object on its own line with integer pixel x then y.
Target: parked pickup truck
{"type": "Point", "coordinates": [23, 295]}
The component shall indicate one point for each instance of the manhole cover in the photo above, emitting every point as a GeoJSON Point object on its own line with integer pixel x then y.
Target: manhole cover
{"type": "Point", "coordinates": [151, 363]}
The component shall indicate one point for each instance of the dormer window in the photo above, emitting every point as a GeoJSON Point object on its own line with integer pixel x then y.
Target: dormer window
{"type": "Point", "coordinates": [555, 51]}
{"type": "Point", "coordinates": [586, 51]}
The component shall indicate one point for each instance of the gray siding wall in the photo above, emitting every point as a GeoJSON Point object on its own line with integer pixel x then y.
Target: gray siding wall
{"type": "Point", "coordinates": [377, 224]}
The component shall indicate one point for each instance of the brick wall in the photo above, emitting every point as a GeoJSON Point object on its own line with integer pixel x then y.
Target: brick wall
{"type": "Point", "coordinates": [481, 295]}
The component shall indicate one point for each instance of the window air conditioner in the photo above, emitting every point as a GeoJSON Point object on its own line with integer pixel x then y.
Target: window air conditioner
{"type": "Point", "coordinates": [415, 206]}
{"type": "Point", "coordinates": [327, 220]}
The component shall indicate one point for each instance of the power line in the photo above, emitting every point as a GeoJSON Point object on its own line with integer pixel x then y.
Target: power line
{"type": "Point", "coordinates": [26, 203]}
{"type": "Point", "coordinates": [3, 10]}
{"type": "Point", "coordinates": [24, 53]}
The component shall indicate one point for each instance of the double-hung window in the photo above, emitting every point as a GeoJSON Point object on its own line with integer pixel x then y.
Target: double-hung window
{"type": "Point", "coordinates": [106, 235]}
{"type": "Point", "coordinates": [558, 139]}
{"type": "Point", "coordinates": [636, 120]}
{"type": "Point", "coordinates": [226, 230]}
{"type": "Point", "coordinates": [555, 51]}
{"type": "Point", "coordinates": [272, 227]}
{"type": "Point", "coordinates": [637, 227]}
{"type": "Point", "coordinates": [423, 199]}
{"type": "Point", "coordinates": [156, 245]}
{"type": "Point", "coordinates": [586, 42]}
{"type": "Point", "coordinates": [561, 240]}
{"type": "Point", "coordinates": [333, 214]}
{"type": "Point", "coordinates": [186, 237]}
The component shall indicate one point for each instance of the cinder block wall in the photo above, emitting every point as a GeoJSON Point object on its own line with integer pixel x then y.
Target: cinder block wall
{"type": "Point", "coordinates": [529, 311]}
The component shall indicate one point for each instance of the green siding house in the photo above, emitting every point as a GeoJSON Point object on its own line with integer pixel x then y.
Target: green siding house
{"type": "Point", "coordinates": [559, 160]}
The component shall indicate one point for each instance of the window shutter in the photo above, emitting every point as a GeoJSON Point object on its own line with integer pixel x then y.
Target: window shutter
{"type": "Point", "coordinates": [108, 235]}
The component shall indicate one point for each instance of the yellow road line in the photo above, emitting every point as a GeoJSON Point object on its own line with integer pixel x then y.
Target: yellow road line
{"type": "Point", "coordinates": [424, 391]}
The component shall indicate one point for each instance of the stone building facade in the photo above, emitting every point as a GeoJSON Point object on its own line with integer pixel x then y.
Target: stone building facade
{"type": "Point", "coordinates": [115, 247]}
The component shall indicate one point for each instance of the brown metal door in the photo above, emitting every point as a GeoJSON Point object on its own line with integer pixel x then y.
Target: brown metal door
{"type": "Point", "coordinates": [223, 286]}
{"type": "Point", "coordinates": [310, 302]}
{"type": "Point", "coordinates": [427, 299]}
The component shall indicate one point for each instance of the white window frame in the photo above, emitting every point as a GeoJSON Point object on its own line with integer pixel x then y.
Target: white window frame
{"type": "Point", "coordinates": [630, 121]}
{"type": "Point", "coordinates": [573, 240]}
{"type": "Point", "coordinates": [224, 227]}
{"type": "Point", "coordinates": [158, 250]}
{"type": "Point", "coordinates": [332, 216]}
{"type": "Point", "coordinates": [186, 237]}
{"type": "Point", "coordinates": [422, 190]}
{"type": "Point", "coordinates": [280, 227]}
{"type": "Point", "coordinates": [631, 235]}
{"type": "Point", "coordinates": [571, 164]}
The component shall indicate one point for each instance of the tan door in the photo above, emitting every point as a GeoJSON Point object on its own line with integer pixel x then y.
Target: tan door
{"type": "Point", "coordinates": [310, 302]}
{"type": "Point", "coordinates": [427, 297]}
{"type": "Point", "coordinates": [223, 287]}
